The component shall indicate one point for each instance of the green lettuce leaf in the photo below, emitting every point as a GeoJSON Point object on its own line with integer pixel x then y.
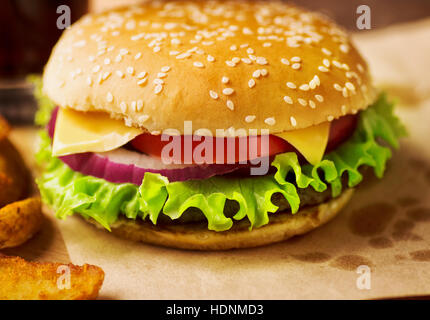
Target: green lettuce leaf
{"type": "Point", "coordinates": [45, 104]}
{"type": "Point", "coordinates": [70, 192]}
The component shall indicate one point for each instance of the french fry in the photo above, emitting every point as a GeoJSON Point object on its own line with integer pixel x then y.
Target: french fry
{"type": "Point", "coordinates": [19, 221]}
{"type": "Point", "coordinates": [4, 128]}
{"type": "Point", "coordinates": [23, 280]}
{"type": "Point", "coordinates": [14, 176]}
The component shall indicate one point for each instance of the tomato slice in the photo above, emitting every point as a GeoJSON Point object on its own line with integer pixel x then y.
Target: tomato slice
{"type": "Point", "coordinates": [185, 150]}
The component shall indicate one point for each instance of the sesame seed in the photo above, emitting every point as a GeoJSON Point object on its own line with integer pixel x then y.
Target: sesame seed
{"type": "Point", "coordinates": [174, 53]}
{"type": "Point", "coordinates": [296, 66]}
{"type": "Point", "coordinates": [264, 72]}
{"type": "Point", "coordinates": [130, 70]}
{"type": "Point", "coordinates": [230, 104]}
{"type": "Point", "coordinates": [109, 97]}
{"type": "Point", "coordinates": [123, 107]}
{"type": "Point", "coordinates": [161, 75]}
{"type": "Point", "coordinates": [360, 68]}
{"type": "Point", "coordinates": [230, 63]}
{"type": "Point", "coordinates": [293, 121]}
{"type": "Point", "coordinates": [158, 88]}
{"type": "Point", "coordinates": [183, 55]}
{"type": "Point", "coordinates": [350, 86]}
{"type": "Point", "coordinates": [343, 109]}
{"type": "Point", "coordinates": [118, 58]}
{"type": "Point", "coordinates": [246, 60]}
{"type": "Point", "coordinates": [141, 82]}
{"type": "Point", "coordinates": [249, 119]}
{"type": "Point", "coordinates": [198, 64]}
{"type": "Point", "coordinates": [228, 91]}
{"type": "Point", "coordinates": [304, 87]}
{"type": "Point", "coordinates": [296, 59]}
{"type": "Point", "coordinates": [317, 80]}
{"type": "Point", "coordinates": [326, 62]}
{"type": "Point", "coordinates": [291, 85]}
{"type": "Point", "coordinates": [323, 69]}
{"type": "Point", "coordinates": [165, 69]}
{"type": "Point", "coordinates": [337, 64]}
{"type": "Point", "coordinates": [285, 61]}
{"type": "Point", "coordinates": [235, 60]}
{"type": "Point", "coordinates": [344, 48]}
{"type": "Point", "coordinates": [256, 74]}
{"type": "Point", "coordinates": [106, 75]}
{"type": "Point", "coordinates": [120, 74]}
{"type": "Point", "coordinates": [123, 52]}
{"type": "Point", "coordinates": [210, 58]}
{"type": "Point", "coordinates": [330, 118]}
{"type": "Point", "coordinates": [156, 49]}
{"type": "Point", "coordinates": [345, 93]}
{"type": "Point", "coordinates": [158, 81]}
{"type": "Point", "coordinates": [225, 80]}
{"type": "Point", "coordinates": [312, 104]}
{"type": "Point", "coordinates": [320, 98]}
{"type": "Point", "coordinates": [233, 48]}
{"type": "Point", "coordinates": [175, 41]}
{"type": "Point", "coordinates": [261, 61]}
{"type": "Point", "coordinates": [139, 105]}
{"type": "Point", "coordinates": [133, 106]}
{"type": "Point", "coordinates": [270, 121]}
{"type": "Point", "coordinates": [138, 55]}
{"type": "Point", "coordinates": [326, 51]}
{"type": "Point", "coordinates": [288, 100]}
{"type": "Point", "coordinates": [303, 102]}
{"type": "Point", "coordinates": [267, 44]}
{"type": "Point", "coordinates": [251, 83]}
{"type": "Point", "coordinates": [141, 75]}
{"type": "Point", "coordinates": [250, 51]}
{"type": "Point", "coordinates": [337, 87]}
{"type": "Point", "coordinates": [213, 94]}
{"type": "Point", "coordinates": [312, 84]}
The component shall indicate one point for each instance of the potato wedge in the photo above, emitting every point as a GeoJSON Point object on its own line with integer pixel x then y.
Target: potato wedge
{"type": "Point", "coordinates": [23, 280]}
{"type": "Point", "coordinates": [4, 128]}
{"type": "Point", "coordinates": [14, 176]}
{"type": "Point", "coordinates": [19, 221]}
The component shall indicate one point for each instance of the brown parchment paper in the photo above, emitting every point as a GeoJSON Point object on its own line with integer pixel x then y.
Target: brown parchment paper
{"type": "Point", "coordinates": [386, 226]}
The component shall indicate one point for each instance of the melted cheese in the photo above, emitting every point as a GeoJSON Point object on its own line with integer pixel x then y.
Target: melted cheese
{"type": "Point", "coordinates": [310, 142]}
{"type": "Point", "coordinates": [77, 132]}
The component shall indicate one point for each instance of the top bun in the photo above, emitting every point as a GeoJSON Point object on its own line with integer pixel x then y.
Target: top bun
{"type": "Point", "coordinates": [221, 64]}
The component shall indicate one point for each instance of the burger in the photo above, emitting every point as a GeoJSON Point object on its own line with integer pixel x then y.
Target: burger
{"type": "Point", "coordinates": [208, 125]}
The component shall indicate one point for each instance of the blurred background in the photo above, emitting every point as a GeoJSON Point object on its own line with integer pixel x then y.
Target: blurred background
{"type": "Point", "coordinates": [28, 31]}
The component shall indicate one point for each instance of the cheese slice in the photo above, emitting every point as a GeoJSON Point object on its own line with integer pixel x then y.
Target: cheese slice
{"type": "Point", "coordinates": [310, 142]}
{"type": "Point", "coordinates": [77, 132]}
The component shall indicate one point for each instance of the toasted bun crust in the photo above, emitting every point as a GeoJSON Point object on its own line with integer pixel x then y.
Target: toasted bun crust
{"type": "Point", "coordinates": [162, 63]}
{"type": "Point", "coordinates": [282, 226]}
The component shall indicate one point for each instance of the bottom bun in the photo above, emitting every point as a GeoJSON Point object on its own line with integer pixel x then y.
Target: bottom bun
{"type": "Point", "coordinates": [281, 226]}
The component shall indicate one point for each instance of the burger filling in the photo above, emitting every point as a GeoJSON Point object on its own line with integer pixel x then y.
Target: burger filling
{"type": "Point", "coordinates": [123, 173]}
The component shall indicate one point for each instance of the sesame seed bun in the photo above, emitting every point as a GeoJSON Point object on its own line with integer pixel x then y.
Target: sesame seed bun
{"type": "Point", "coordinates": [251, 65]}
{"type": "Point", "coordinates": [282, 226]}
